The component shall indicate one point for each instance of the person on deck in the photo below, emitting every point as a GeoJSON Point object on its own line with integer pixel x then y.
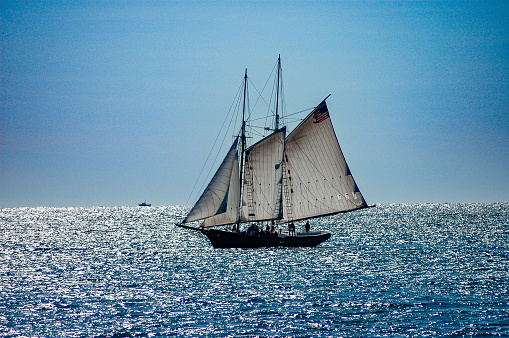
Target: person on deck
{"type": "Point", "coordinates": [307, 226]}
{"type": "Point", "coordinates": [291, 229]}
{"type": "Point", "coordinates": [251, 230]}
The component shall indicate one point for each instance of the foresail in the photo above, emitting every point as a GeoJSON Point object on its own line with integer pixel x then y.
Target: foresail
{"type": "Point", "coordinates": [319, 181]}
{"type": "Point", "coordinates": [262, 194]}
{"type": "Point", "coordinates": [214, 199]}
{"type": "Point", "coordinates": [231, 214]}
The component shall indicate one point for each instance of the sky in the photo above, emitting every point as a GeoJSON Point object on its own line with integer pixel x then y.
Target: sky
{"type": "Point", "coordinates": [110, 103]}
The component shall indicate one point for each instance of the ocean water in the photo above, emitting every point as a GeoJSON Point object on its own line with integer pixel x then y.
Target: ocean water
{"type": "Point", "coordinates": [421, 270]}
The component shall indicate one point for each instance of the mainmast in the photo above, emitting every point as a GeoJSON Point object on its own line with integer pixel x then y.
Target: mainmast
{"type": "Point", "coordinates": [277, 91]}
{"type": "Point", "coordinates": [243, 147]}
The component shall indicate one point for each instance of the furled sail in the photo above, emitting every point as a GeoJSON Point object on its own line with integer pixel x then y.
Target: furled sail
{"type": "Point", "coordinates": [319, 181]}
{"type": "Point", "coordinates": [214, 200]}
{"type": "Point", "coordinates": [262, 196]}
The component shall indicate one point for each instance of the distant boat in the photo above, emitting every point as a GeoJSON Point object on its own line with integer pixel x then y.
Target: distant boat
{"type": "Point", "coordinates": [144, 204]}
{"type": "Point", "coordinates": [277, 181]}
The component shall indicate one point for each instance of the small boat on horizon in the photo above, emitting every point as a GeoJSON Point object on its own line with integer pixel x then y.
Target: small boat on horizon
{"type": "Point", "coordinates": [144, 204]}
{"type": "Point", "coordinates": [275, 182]}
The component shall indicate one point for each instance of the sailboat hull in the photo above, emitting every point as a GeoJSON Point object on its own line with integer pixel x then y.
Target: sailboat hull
{"type": "Point", "coordinates": [226, 239]}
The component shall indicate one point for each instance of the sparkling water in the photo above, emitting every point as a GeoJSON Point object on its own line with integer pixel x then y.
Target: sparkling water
{"type": "Point", "coordinates": [394, 270]}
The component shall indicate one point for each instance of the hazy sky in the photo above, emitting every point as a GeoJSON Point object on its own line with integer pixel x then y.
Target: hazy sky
{"type": "Point", "coordinates": [114, 102]}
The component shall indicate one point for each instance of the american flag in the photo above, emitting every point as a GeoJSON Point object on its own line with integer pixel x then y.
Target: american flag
{"type": "Point", "coordinates": [322, 113]}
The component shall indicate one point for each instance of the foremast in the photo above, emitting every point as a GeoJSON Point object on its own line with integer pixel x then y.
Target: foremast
{"type": "Point", "coordinates": [243, 149]}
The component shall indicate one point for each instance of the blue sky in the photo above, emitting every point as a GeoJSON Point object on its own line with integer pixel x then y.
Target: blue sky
{"type": "Point", "coordinates": [115, 102]}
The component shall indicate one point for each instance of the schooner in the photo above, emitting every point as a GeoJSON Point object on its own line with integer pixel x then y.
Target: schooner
{"type": "Point", "coordinates": [259, 191]}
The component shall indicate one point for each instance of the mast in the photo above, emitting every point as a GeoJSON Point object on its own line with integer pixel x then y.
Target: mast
{"type": "Point", "coordinates": [243, 147]}
{"type": "Point", "coordinates": [277, 91]}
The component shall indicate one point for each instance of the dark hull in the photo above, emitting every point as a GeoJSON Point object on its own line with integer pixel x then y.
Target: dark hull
{"type": "Point", "coordinates": [226, 239]}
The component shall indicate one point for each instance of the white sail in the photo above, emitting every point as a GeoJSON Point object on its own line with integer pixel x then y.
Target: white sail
{"type": "Point", "coordinates": [214, 199]}
{"type": "Point", "coordinates": [231, 214]}
{"type": "Point", "coordinates": [261, 198]}
{"type": "Point", "coordinates": [301, 176]}
{"type": "Point", "coordinates": [319, 181]}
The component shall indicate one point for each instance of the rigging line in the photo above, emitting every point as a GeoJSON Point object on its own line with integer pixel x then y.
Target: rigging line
{"type": "Point", "coordinates": [213, 145]}
{"type": "Point", "coordinates": [277, 93]}
{"type": "Point", "coordinates": [256, 127]}
{"type": "Point", "coordinates": [288, 120]}
{"type": "Point", "coordinates": [255, 133]}
{"type": "Point", "coordinates": [258, 119]}
{"type": "Point", "coordinates": [282, 99]}
{"type": "Point", "coordinates": [219, 149]}
{"type": "Point", "coordinates": [259, 95]}
{"type": "Point", "coordinates": [300, 112]}
{"type": "Point", "coordinates": [263, 89]}
{"type": "Point", "coordinates": [296, 119]}
{"type": "Point", "coordinates": [273, 94]}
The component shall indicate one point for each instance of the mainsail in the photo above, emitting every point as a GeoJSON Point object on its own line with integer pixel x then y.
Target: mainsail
{"type": "Point", "coordinates": [319, 181]}
{"type": "Point", "coordinates": [215, 199]}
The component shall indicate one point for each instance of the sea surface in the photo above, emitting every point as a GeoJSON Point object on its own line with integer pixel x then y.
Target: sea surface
{"type": "Point", "coordinates": [399, 270]}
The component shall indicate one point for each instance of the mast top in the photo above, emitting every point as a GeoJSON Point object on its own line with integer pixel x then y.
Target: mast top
{"type": "Point", "coordinates": [277, 91]}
